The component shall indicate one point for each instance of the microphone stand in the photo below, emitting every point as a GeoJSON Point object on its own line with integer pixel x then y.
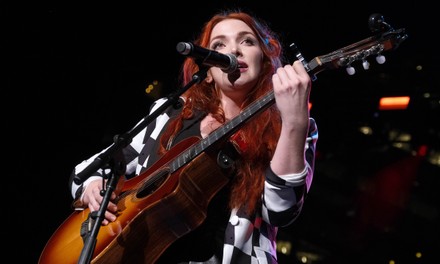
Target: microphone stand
{"type": "Point", "coordinates": [90, 227]}
{"type": "Point", "coordinates": [112, 158]}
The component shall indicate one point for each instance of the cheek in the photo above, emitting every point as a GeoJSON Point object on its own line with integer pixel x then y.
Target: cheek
{"type": "Point", "coordinates": [259, 60]}
{"type": "Point", "coordinates": [259, 63]}
{"type": "Point", "coordinates": [215, 74]}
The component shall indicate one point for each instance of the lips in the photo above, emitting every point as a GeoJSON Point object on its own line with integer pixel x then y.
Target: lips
{"type": "Point", "coordinates": [242, 66]}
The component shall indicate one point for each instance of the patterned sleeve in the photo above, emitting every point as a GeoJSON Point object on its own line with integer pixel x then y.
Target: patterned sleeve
{"type": "Point", "coordinates": [131, 154]}
{"type": "Point", "coordinates": [284, 196]}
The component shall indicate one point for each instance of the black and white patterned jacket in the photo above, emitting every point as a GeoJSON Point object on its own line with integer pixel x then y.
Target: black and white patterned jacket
{"type": "Point", "coordinates": [247, 239]}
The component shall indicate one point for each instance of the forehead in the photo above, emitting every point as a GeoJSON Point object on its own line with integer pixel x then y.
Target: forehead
{"type": "Point", "coordinates": [229, 28]}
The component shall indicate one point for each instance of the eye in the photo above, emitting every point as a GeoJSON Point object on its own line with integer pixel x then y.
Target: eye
{"type": "Point", "coordinates": [248, 41]}
{"type": "Point", "coordinates": [217, 45]}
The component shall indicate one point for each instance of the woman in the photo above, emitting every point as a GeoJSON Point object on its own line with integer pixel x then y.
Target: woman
{"type": "Point", "coordinates": [273, 153]}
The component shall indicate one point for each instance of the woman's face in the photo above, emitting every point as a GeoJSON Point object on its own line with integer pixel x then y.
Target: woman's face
{"type": "Point", "coordinates": [233, 36]}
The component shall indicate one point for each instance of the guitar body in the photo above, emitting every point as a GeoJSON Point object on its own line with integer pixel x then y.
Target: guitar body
{"type": "Point", "coordinates": [153, 214]}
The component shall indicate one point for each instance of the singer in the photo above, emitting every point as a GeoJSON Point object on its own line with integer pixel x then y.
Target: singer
{"type": "Point", "coordinates": [268, 162]}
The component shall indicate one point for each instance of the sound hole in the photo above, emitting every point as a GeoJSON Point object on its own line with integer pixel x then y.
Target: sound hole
{"type": "Point", "coordinates": [153, 183]}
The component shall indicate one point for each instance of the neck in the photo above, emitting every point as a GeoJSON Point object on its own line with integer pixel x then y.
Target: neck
{"type": "Point", "coordinates": [231, 106]}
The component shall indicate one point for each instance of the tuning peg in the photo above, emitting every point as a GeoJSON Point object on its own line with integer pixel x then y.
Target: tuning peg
{"type": "Point", "coordinates": [350, 70]}
{"type": "Point", "coordinates": [365, 64]}
{"type": "Point", "coordinates": [380, 59]}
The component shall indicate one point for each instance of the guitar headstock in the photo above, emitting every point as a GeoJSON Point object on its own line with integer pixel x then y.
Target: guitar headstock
{"type": "Point", "coordinates": [384, 38]}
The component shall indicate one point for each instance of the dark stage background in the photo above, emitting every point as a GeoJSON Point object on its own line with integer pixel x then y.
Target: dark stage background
{"type": "Point", "coordinates": [76, 74]}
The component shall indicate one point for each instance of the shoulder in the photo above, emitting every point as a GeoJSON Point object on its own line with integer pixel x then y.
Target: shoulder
{"type": "Point", "coordinates": [169, 110]}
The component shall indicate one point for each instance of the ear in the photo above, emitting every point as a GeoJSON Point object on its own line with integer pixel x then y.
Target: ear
{"type": "Point", "coordinates": [208, 78]}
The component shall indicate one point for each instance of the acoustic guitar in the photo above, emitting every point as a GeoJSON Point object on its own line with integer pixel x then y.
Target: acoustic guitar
{"type": "Point", "coordinates": [170, 199]}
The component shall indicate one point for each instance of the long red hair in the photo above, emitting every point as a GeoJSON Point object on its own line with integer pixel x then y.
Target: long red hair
{"type": "Point", "coordinates": [262, 134]}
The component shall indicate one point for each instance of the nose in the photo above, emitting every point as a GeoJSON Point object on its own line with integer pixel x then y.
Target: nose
{"type": "Point", "coordinates": [235, 50]}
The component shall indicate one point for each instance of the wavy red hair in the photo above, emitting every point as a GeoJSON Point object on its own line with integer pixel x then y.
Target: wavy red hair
{"type": "Point", "coordinates": [261, 136]}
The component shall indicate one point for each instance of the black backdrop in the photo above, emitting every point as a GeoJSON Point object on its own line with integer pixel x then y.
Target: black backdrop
{"type": "Point", "coordinates": [77, 73]}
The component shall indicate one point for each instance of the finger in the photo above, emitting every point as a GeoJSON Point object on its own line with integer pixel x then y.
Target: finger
{"type": "Point", "coordinates": [276, 80]}
{"type": "Point", "coordinates": [112, 207]}
{"type": "Point", "coordinates": [110, 216]}
{"type": "Point", "coordinates": [94, 205]}
{"type": "Point", "coordinates": [113, 196]}
{"type": "Point", "coordinates": [299, 68]}
{"type": "Point", "coordinates": [282, 74]}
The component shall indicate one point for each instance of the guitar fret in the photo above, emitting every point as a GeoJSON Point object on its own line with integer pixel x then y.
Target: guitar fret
{"type": "Point", "coordinates": [178, 161]}
{"type": "Point", "coordinates": [186, 156]}
{"type": "Point", "coordinates": [198, 148]}
{"type": "Point", "coordinates": [173, 165]}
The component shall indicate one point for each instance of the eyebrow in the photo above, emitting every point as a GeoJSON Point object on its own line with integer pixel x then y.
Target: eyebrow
{"type": "Point", "coordinates": [240, 34]}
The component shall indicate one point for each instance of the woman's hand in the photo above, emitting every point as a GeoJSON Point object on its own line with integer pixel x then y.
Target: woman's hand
{"type": "Point", "coordinates": [292, 86]}
{"type": "Point", "coordinates": [93, 199]}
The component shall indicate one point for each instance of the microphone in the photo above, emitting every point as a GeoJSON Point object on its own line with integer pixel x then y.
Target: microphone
{"type": "Point", "coordinates": [227, 62]}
